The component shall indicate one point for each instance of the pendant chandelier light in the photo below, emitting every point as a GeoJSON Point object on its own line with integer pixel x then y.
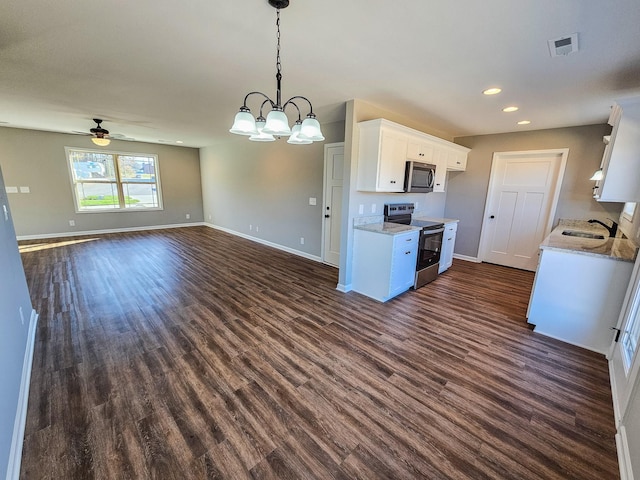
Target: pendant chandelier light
{"type": "Point", "coordinates": [276, 124]}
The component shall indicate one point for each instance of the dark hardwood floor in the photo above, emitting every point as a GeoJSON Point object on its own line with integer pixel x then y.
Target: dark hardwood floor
{"type": "Point", "coordinates": [190, 353]}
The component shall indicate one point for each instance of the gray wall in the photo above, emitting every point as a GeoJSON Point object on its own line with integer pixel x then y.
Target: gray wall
{"type": "Point", "coordinates": [13, 340]}
{"type": "Point", "coordinates": [37, 160]}
{"type": "Point", "coordinates": [268, 186]}
{"type": "Point", "coordinates": [467, 191]}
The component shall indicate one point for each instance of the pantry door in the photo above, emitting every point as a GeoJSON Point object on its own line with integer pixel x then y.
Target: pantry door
{"type": "Point", "coordinates": [521, 202]}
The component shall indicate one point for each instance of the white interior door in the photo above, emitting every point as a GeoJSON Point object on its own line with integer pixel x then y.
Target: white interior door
{"type": "Point", "coordinates": [522, 197]}
{"type": "Point", "coordinates": [624, 359]}
{"type": "Point", "coordinates": [332, 205]}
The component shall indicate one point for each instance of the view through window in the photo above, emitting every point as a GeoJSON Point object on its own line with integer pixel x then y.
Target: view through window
{"type": "Point", "coordinates": [107, 181]}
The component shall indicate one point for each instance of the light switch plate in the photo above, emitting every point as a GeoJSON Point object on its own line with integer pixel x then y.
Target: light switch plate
{"type": "Point", "coordinates": [312, 201]}
{"type": "Point", "coordinates": [25, 190]}
{"type": "Point", "coordinates": [11, 189]}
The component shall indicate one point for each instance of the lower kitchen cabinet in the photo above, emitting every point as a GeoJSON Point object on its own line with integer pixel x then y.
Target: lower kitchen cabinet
{"type": "Point", "coordinates": [448, 242]}
{"type": "Point", "coordinates": [576, 298]}
{"type": "Point", "coordinates": [384, 265]}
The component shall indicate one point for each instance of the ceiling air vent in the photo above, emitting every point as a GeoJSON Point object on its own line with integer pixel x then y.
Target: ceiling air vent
{"type": "Point", "coordinates": [560, 47]}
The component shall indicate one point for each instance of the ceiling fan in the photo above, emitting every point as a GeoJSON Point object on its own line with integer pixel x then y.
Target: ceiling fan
{"type": "Point", "coordinates": [101, 136]}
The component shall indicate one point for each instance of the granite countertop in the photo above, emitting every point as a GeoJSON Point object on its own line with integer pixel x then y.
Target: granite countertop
{"type": "Point", "coordinates": [619, 248]}
{"type": "Point", "coordinates": [387, 228]}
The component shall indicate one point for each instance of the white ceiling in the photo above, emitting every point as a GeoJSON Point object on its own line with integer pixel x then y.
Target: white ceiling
{"type": "Point", "coordinates": [162, 70]}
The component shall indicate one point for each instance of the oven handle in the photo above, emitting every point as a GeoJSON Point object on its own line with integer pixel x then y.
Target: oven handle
{"type": "Point", "coordinates": [431, 232]}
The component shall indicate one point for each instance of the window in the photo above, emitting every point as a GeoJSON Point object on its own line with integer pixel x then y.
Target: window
{"type": "Point", "coordinates": [108, 181]}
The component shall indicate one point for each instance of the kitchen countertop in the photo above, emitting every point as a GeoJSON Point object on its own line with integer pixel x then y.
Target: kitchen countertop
{"type": "Point", "coordinates": [387, 228]}
{"type": "Point", "coordinates": [619, 248]}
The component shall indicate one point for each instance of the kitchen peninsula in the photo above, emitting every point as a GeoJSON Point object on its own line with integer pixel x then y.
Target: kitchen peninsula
{"type": "Point", "coordinates": [580, 284]}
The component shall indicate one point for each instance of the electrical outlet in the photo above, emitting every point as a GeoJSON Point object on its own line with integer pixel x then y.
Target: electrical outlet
{"type": "Point", "coordinates": [361, 209]}
{"type": "Point", "coordinates": [417, 205]}
{"type": "Point", "coordinates": [21, 316]}
{"type": "Point", "coordinates": [373, 208]}
{"type": "Point", "coordinates": [257, 228]}
{"type": "Point", "coordinates": [250, 227]}
{"type": "Point", "coordinates": [188, 216]}
{"type": "Point", "coordinates": [209, 217]}
{"type": "Point", "coordinates": [301, 240]}
{"type": "Point", "coordinates": [72, 223]}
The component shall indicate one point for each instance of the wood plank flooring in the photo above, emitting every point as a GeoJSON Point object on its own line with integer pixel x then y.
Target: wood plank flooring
{"type": "Point", "coordinates": [192, 354]}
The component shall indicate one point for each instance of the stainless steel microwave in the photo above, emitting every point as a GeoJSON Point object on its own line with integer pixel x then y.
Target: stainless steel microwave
{"type": "Point", "coordinates": [419, 177]}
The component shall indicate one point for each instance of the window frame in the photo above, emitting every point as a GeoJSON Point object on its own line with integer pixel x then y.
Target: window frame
{"type": "Point", "coordinates": [118, 181]}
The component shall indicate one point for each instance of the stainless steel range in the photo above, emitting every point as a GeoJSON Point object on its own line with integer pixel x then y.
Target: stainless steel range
{"type": "Point", "coordinates": [430, 243]}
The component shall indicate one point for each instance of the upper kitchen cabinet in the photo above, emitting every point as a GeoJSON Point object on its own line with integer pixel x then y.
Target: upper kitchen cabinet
{"type": "Point", "coordinates": [385, 148]}
{"type": "Point", "coordinates": [382, 157]}
{"type": "Point", "coordinates": [621, 160]}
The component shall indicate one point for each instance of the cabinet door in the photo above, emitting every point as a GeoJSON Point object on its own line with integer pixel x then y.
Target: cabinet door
{"type": "Point", "coordinates": [419, 151]}
{"type": "Point", "coordinates": [440, 161]}
{"type": "Point", "coordinates": [448, 243]}
{"type": "Point", "coordinates": [392, 162]}
{"type": "Point", "coordinates": [403, 263]}
{"type": "Point", "coordinates": [456, 160]}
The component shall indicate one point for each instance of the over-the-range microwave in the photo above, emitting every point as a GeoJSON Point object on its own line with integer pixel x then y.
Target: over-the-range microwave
{"type": "Point", "coordinates": [419, 177]}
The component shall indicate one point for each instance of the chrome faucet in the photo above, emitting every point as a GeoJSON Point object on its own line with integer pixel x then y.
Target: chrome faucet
{"type": "Point", "coordinates": [613, 229]}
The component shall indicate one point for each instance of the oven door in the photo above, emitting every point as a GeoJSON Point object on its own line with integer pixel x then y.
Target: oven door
{"type": "Point", "coordinates": [429, 247]}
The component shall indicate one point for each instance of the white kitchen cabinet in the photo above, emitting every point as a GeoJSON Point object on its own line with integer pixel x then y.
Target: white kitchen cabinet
{"type": "Point", "coordinates": [577, 298]}
{"type": "Point", "coordinates": [448, 243]}
{"type": "Point", "coordinates": [384, 265]}
{"type": "Point", "coordinates": [621, 160]}
{"type": "Point", "coordinates": [382, 157]}
{"type": "Point", "coordinates": [456, 160]}
{"type": "Point", "coordinates": [440, 161]}
{"type": "Point", "coordinates": [385, 147]}
{"type": "Point", "coordinates": [419, 150]}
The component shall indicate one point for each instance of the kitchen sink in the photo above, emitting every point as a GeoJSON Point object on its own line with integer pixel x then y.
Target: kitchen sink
{"type": "Point", "coordinates": [575, 233]}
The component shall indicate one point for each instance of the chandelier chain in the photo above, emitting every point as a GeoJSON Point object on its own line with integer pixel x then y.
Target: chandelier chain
{"type": "Point", "coordinates": [278, 64]}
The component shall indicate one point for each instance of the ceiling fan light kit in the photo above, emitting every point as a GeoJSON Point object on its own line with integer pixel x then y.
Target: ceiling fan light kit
{"type": "Point", "coordinates": [100, 135]}
{"type": "Point", "coordinates": [277, 124]}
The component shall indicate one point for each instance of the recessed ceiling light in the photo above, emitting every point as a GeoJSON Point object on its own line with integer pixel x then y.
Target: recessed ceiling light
{"type": "Point", "coordinates": [509, 109]}
{"type": "Point", "coordinates": [179, 141]}
{"type": "Point", "coordinates": [492, 91]}
{"type": "Point", "coordinates": [524, 122]}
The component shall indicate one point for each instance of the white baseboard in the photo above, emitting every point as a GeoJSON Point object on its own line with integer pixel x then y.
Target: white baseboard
{"type": "Point", "coordinates": [15, 455]}
{"type": "Point", "coordinates": [110, 230]}
{"type": "Point", "coordinates": [624, 455]}
{"type": "Point", "coordinates": [467, 258]}
{"type": "Point", "coordinates": [341, 287]}
{"type": "Point", "coordinates": [601, 352]}
{"type": "Point", "coordinates": [315, 258]}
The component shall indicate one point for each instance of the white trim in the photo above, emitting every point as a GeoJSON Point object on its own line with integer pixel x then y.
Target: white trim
{"type": "Point", "coordinates": [602, 352]}
{"type": "Point", "coordinates": [624, 455]}
{"type": "Point", "coordinates": [15, 455]}
{"type": "Point", "coordinates": [110, 230]}
{"type": "Point", "coordinates": [614, 393]}
{"type": "Point", "coordinates": [467, 258]}
{"type": "Point", "coordinates": [344, 288]}
{"type": "Point", "coordinates": [315, 258]}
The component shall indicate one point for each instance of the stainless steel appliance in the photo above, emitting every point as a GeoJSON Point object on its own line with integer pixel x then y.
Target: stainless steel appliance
{"type": "Point", "coordinates": [419, 177]}
{"type": "Point", "coordinates": [430, 243]}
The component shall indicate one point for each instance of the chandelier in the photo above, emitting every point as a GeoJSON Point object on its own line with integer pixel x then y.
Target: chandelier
{"type": "Point", "coordinates": [276, 124]}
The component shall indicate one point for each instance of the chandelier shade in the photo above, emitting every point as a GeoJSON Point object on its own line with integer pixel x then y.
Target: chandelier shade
{"type": "Point", "coordinates": [261, 136]}
{"type": "Point", "coordinates": [277, 123]}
